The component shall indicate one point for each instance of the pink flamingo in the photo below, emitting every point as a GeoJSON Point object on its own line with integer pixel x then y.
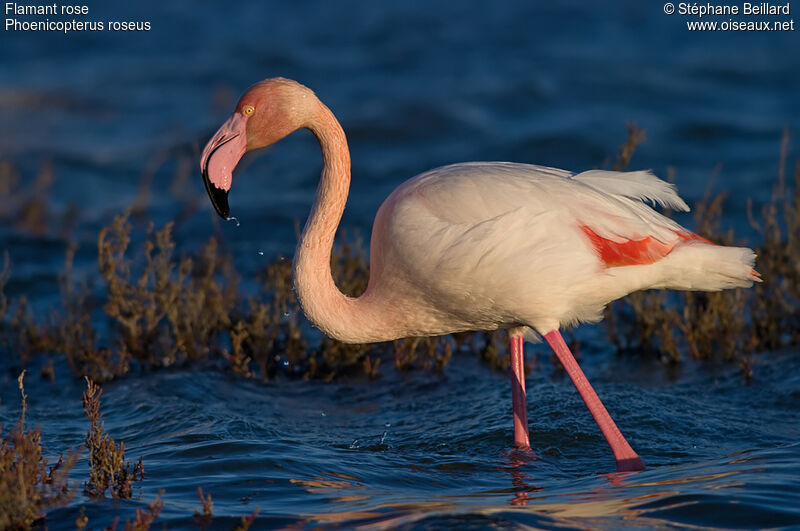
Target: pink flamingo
{"type": "Point", "coordinates": [480, 246]}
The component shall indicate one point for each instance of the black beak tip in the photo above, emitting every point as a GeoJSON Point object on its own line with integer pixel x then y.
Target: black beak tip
{"type": "Point", "coordinates": [219, 198]}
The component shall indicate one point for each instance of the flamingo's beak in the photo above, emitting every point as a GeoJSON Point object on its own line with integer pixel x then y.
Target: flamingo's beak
{"type": "Point", "coordinates": [220, 157]}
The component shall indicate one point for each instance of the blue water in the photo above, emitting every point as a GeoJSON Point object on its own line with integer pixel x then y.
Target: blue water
{"type": "Point", "coordinates": [414, 87]}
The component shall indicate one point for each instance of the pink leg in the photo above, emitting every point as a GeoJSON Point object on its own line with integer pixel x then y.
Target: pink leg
{"type": "Point", "coordinates": [518, 392]}
{"type": "Point", "coordinates": [626, 458]}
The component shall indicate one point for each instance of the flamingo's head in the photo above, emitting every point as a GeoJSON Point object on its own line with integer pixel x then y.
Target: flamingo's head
{"type": "Point", "coordinates": [266, 112]}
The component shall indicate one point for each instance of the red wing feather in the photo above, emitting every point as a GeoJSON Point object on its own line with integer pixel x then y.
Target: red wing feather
{"type": "Point", "coordinates": [634, 252]}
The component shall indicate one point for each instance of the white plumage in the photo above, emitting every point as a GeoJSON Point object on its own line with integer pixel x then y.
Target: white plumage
{"type": "Point", "coordinates": [491, 244]}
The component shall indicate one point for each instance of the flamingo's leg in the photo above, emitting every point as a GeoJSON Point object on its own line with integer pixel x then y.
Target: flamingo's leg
{"type": "Point", "coordinates": [626, 458]}
{"type": "Point", "coordinates": [518, 392]}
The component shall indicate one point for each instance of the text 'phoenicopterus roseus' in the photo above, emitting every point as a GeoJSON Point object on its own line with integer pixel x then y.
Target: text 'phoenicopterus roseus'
{"type": "Point", "coordinates": [480, 245]}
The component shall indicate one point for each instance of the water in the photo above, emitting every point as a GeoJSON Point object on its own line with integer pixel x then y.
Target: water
{"type": "Point", "coordinates": [116, 114]}
{"type": "Point", "coordinates": [422, 449]}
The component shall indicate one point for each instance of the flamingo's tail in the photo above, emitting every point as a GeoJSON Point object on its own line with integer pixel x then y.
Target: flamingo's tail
{"type": "Point", "coordinates": [696, 265]}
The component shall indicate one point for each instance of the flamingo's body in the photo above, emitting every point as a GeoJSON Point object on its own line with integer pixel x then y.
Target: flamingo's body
{"type": "Point", "coordinates": [480, 246]}
{"type": "Point", "coordinates": [487, 245]}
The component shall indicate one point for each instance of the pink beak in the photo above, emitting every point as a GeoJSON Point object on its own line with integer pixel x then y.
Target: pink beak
{"type": "Point", "coordinates": [220, 157]}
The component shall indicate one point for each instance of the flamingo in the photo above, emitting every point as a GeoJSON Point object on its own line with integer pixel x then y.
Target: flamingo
{"type": "Point", "coordinates": [480, 246]}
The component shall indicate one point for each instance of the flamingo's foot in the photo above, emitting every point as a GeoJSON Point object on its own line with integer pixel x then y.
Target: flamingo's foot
{"type": "Point", "coordinates": [519, 455]}
{"type": "Point", "coordinates": [630, 464]}
{"type": "Point", "coordinates": [521, 439]}
{"type": "Point", "coordinates": [523, 449]}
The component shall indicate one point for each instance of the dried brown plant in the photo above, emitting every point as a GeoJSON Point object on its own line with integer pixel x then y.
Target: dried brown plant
{"type": "Point", "coordinates": [145, 517]}
{"type": "Point", "coordinates": [171, 311]}
{"type": "Point", "coordinates": [108, 469]}
{"type": "Point", "coordinates": [28, 208]}
{"type": "Point", "coordinates": [207, 504]}
{"type": "Point", "coordinates": [28, 486]}
{"type": "Point", "coordinates": [426, 353]}
{"type": "Point", "coordinates": [247, 521]}
{"type": "Point", "coordinates": [636, 137]}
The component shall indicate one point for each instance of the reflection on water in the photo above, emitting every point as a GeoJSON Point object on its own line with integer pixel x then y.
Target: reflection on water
{"type": "Point", "coordinates": [519, 478]}
{"type": "Point", "coordinates": [628, 499]}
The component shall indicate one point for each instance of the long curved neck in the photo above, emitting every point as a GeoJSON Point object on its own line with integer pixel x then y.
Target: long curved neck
{"type": "Point", "coordinates": [336, 314]}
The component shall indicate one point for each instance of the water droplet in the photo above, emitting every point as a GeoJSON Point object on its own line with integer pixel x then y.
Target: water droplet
{"type": "Point", "coordinates": [388, 425]}
{"type": "Point", "coordinates": [286, 314]}
{"type": "Point", "coordinates": [231, 218]}
{"type": "Point", "coordinates": [354, 444]}
{"type": "Point", "coordinates": [260, 253]}
{"type": "Point", "coordinates": [383, 437]}
{"type": "Point", "coordinates": [323, 414]}
{"type": "Point", "coordinates": [285, 363]}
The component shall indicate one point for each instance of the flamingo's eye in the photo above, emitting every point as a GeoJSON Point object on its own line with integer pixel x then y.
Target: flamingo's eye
{"type": "Point", "coordinates": [248, 110]}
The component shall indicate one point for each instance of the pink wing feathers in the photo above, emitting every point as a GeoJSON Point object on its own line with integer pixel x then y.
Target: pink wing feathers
{"type": "Point", "coordinates": [635, 252]}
